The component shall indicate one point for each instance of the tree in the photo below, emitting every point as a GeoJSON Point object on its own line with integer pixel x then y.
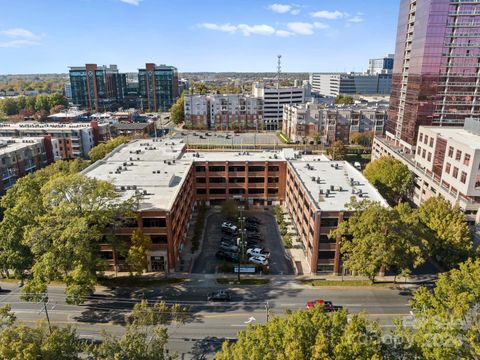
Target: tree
{"type": "Point", "coordinates": [376, 236]}
{"type": "Point", "coordinates": [307, 335]}
{"type": "Point", "coordinates": [447, 320]}
{"type": "Point", "coordinates": [317, 137]}
{"type": "Point", "coordinates": [145, 338]}
{"type": "Point", "coordinates": [337, 150]}
{"type": "Point", "coordinates": [341, 99]}
{"type": "Point", "coordinates": [364, 139]}
{"type": "Point", "coordinates": [177, 111]}
{"type": "Point", "coordinates": [42, 103]}
{"type": "Point", "coordinates": [23, 342]}
{"type": "Point", "coordinates": [392, 178]}
{"type": "Point", "coordinates": [102, 150]}
{"type": "Point", "coordinates": [64, 238]}
{"type": "Point", "coordinates": [137, 253]}
{"type": "Point", "coordinates": [230, 210]}
{"type": "Point", "coordinates": [452, 241]}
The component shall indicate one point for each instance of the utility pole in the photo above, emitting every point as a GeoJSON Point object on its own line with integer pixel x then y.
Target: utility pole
{"type": "Point", "coordinates": [267, 309]}
{"type": "Point", "coordinates": [45, 301]}
{"type": "Point", "coordinates": [279, 70]}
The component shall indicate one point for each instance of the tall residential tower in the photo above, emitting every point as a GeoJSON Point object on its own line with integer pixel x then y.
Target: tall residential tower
{"type": "Point", "coordinates": [436, 68]}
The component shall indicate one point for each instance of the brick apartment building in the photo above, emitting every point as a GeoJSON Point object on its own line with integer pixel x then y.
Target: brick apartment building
{"type": "Point", "coordinates": [23, 155]}
{"type": "Point", "coordinates": [74, 139]}
{"type": "Point", "coordinates": [171, 181]}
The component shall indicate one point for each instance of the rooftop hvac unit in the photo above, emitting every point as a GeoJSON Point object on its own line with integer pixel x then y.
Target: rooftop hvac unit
{"type": "Point", "coordinates": [134, 187]}
{"type": "Point", "coordinates": [332, 187]}
{"type": "Point", "coordinates": [145, 192]}
{"type": "Point", "coordinates": [313, 178]}
{"type": "Point", "coordinates": [122, 188]}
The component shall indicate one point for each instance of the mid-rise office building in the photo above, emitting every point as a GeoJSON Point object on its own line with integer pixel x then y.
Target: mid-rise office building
{"type": "Point", "coordinates": [98, 88]}
{"type": "Point", "coordinates": [20, 156]}
{"type": "Point", "coordinates": [381, 65]}
{"type": "Point", "coordinates": [223, 111]}
{"type": "Point", "coordinates": [74, 139]}
{"type": "Point", "coordinates": [436, 70]}
{"type": "Point", "coordinates": [446, 163]}
{"type": "Point", "coordinates": [171, 181]}
{"type": "Point", "coordinates": [334, 84]}
{"type": "Point", "coordinates": [157, 87]}
{"type": "Point", "coordinates": [327, 124]}
{"type": "Point", "coordinates": [274, 98]}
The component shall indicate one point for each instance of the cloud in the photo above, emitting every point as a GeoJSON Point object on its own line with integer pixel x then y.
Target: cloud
{"type": "Point", "coordinates": [301, 28]}
{"type": "Point", "coordinates": [18, 37]}
{"type": "Point", "coordinates": [319, 25]}
{"type": "Point", "coordinates": [246, 30]}
{"type": "Point", "coordinates": [329, 15]}
{"type": "Point", "coordinates": [284, 9]}
{"type": "Point", "coordinates": [355, 19]}
{"type": "Point", "coordinates": [280, 8]}
{"type": "Point", "coordinates": [19, 33]}
{"type": "Point", "coordinates": [284, 33]}
{"type": "Point", "coordinates": [131, 2]}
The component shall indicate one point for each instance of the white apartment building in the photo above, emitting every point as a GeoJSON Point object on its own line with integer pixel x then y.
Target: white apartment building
{"type": "Point", "coordinates": [446, 163]}
{"type": "Point", "coordinates": [223, 111]}
{"type": "Point", "coordinates": [331, 123]}
{"type": "Point", "coordinates": [275, 98]}
{"type": "Point", "coordinates": [334, 84]}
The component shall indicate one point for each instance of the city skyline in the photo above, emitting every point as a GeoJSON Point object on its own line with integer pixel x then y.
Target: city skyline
{"type": "Point", "coordinates": [212, 36]}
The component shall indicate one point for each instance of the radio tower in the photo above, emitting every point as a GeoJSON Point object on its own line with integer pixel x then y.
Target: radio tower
{"type": "Point", "coordinates": [279, 69]}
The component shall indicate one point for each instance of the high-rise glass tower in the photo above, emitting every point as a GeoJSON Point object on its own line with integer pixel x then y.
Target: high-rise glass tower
{"type": "Point", "coordinates": [436, 75]}
{"type": "Point", "coordinates": [157, 87]}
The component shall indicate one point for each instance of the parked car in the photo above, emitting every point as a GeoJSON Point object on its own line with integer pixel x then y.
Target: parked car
{"type": "Point", "coordinates": [254, 236]}
{"type": "Point", "coordinates": [226, 255]}
{"type": "Point", "coordinates": [258, 251]}
{"type": "Point", "coordinates": [259, 260]}
{"type": "Point", "coordinates": [327, 305]}
{"type": "Point", "coordinates": [229, 239]}
{"type": "Point", "coordinates": [220, 295]}
{"type": "Point", "coordinates": [229, 226]}
{"type": "Point", "coordinates": [254, 220]}
{"type": "Point", "coordinates": [228, 247]}
{"type": "Point", "coordinates": [252, 228]}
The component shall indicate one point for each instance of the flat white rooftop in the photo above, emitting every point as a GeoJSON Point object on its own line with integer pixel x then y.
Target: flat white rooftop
{"type": "Point", "coordinates": [331, 184]}
{"type": "Point", "coordinates": [10, 144]}
{"type": "Point", "coordinates": [47, 126]}
{"type": "Point", "coordinates": [457, 134]}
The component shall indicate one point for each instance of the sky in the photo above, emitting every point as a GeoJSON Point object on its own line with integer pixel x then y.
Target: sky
{"type": "Point", "coordinates": [47, 36]}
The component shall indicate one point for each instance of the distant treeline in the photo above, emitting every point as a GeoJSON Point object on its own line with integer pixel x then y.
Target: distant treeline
{"type": "Point", "coordinates": [38, 106]}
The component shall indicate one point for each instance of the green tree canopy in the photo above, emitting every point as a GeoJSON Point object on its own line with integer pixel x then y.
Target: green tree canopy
{"type": "Point", "coordinates": [337, 150]}
{"type": "Point", "coordinates": [102, 150]}
{"type": "Point", "coordinates": [376, 236]}
{"type": "Point", "coordinates": [177, 111]}
{"type": "Point", "coordinates": [452, 241]}
{"type": "Point", "coordinates": [137, 253]}
{"type": "Point", "coordinates": [344, 99]}
{"type": "Point", "coordinates": [307, 335]}
{"type": "Point", "coordinates": [392, 178]}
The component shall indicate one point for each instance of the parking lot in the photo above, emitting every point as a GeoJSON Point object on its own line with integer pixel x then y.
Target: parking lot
{"type": "Point", "coordinates": [207, 263]}
{"type": "Point", "coordinates": [213, 138]}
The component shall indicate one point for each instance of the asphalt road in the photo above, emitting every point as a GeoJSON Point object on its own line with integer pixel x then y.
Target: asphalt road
{"type": "Point", "coordinates": [210, 323]}
{"type": "Point", "coordinates": [206, 262]}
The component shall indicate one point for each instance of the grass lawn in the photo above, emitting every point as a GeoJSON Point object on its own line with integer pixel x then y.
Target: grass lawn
{"type": "Point", "coordinates": [135, 282]}
{"type": "Point", "coordinates": [247, 281]}
{"type": "Point", "coordinates": [319, 282]}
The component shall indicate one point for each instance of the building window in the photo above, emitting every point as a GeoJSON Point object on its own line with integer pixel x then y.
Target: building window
{"type": "Point", "coordinates": [419, 150]}
{"type": "Point", "coordinates": [201, 180]}
{"type": "Point", "coordinates": [154, 222]}
{"type": "Point", "coordinates": [420, 137]}
{"type": "Point", "coordinates": [326, 254]}
{"type": "Point", "coordinates": [200, 168]}
{"type": "Point", "coordinates": [272, 191]}
{"type": "Point", "coordinates": [217, 180]}
{"type": "Point", "coordinates": [273, 180]}
{"type": "Point", "coordinates": [256, 168]}
{"type": "Point", "coordinates": [201, 191]}
{"type": "Point", "coordinates": [327, 239]}
{"type": "Point", "coordinates": [429, 156]}
{"type": "Point", "coordinates": [424, 153]}
{"type": "Point", "coordinates": [426, 140]}
{"type": "Point", "coordinates": [236, 191]}
{"type": "Point", "coordinates": [466, 160]}
{"type": "Point", "coordinates": [431, 142]}
{"type": "Point", "coordinates": [159, 239]}
{"type": "Point", "coordinates": [447, 168]}
{"type": "Point", "coordinates": [455, 172]}
{"type": "Point", "coordinates": [236, 180]}
{"type": "Point", "coordinates": [463, 177]}
{"type": "Point", "coordinates": [273, 168]}
{"type": "Point", "coordinates": [256, 180]}
{"type": "Point", "coordinates": [458, 155]}
{"type": "Point", "coordinates": [218, 191]}
{"type": "Point", "coordinates": [256, 191]}
{"type": "Point", "coordinates": [216, 168]}
{"type": "Point", "coordinates": [236, 168]}
{"type": "Point", "coordinates": [328, 222]}
{"type": "Point", "coordinates": [450, 151]}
